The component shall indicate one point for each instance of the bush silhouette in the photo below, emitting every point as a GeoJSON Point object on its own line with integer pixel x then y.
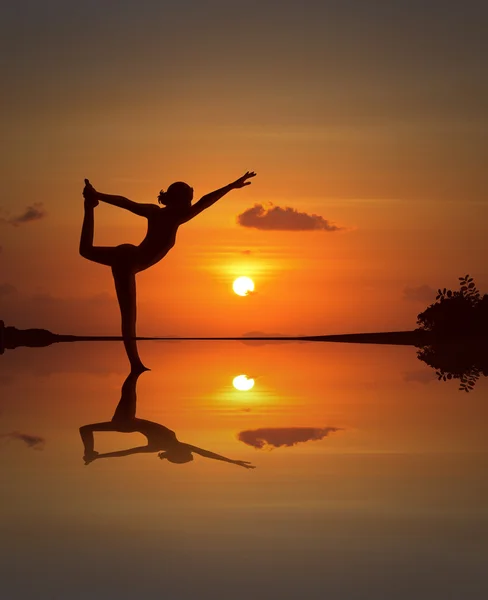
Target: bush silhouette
{"type": "Point", "coordinates": [458, 321]}
{"type": "Point", "coordinates": [457, 313]}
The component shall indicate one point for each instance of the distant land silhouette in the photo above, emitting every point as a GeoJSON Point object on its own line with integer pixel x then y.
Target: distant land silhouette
{"type": "Point", "coordinates": [452, 336]}
{"type": "Point", "coordinates": [12, 337]}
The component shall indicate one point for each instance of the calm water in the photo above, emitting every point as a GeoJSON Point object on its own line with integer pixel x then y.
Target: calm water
{"type": "Point", "coordinates": [371, 476]}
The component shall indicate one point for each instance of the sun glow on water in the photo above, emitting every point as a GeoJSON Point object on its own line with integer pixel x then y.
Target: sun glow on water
{"type": "Point", "coordinates": [243, 383]}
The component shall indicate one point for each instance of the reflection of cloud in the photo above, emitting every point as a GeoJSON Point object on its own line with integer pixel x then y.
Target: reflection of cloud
{"type": "Point", "coordinates": [31, 213]}
{"type": "Point", "coordinates": [422, 293]}
{"type": "Point", "coordinates": [6, 289]}
{"type": "Point", "coordinates": [33, 441]}
{"type": "Point", "coordinates": [276, 437]}
{"type": "Point", "coordinates": [424, 376]}
{"type": "Point", "coordinates": [283, 219]}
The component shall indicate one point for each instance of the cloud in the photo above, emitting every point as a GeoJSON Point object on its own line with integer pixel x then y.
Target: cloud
{"type": "Point", "coordinates": [246, 252]}
{"type": "Point", "coordinates": [31, 213]}
{"type": "Point", "coordinates": [32, 441]}
{"type": "Point", "coordinates": [277, 437]}
{"type": "Point", "coordinates": [283, 219]}
{"type": "Point", "coordinates": [422, 293]}
{"type": "Point", "coordinates": [7, 289]}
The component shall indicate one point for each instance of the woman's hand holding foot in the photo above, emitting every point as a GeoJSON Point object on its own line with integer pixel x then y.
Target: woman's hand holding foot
{"type": "Point", "coordinates": [90, 195]}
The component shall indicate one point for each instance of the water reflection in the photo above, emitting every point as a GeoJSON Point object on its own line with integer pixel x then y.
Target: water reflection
{"type": "Point", "coordinates": [279, 437]}
{"type": "Point", "coordinates": [466, 362]}
{"type": "Point", "coordinates": [243, 383]}
{"type": "Point", "coordinates": [393, 506]}
{"type": "Point", "coordinates": [159, 438]}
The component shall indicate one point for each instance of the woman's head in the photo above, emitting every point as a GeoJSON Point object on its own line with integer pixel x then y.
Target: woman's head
{"type": "Point", "coordinates": [179, 194]}
{"type": "Point", "coordinates": [178, 455]}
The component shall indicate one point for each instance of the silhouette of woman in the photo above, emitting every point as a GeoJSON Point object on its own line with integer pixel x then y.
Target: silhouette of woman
{"type": "Point", "coordinates": [127, 260]}
{"type": "Point", "coordinates": [159, 438]}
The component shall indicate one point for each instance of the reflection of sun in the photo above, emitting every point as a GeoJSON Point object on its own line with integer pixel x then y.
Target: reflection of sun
{"type": "Point", "coordinates": [242, 383]}
{"type": "Point", "coordinates": [243, 286]}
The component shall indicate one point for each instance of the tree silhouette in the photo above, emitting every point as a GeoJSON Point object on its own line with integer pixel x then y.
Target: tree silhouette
{"type": "Point", "coordinates": [458, 321]}
{"type": "Point", "coordinates": [457, 313]}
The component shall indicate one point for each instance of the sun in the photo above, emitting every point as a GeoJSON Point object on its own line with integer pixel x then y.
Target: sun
{"type": "Point", "coordinates": [243, 286]}
{"type": "Point", "coordinates": [242, 383]}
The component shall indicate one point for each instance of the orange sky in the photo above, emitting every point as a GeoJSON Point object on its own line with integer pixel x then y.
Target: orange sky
{"type": "Point", "coordinates": [338, 111]}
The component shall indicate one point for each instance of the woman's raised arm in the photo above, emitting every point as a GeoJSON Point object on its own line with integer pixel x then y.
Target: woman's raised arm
{"type": "Point", "coordinates": [209, 199]}
{"type": "Point", "coordinates": [208, 454]}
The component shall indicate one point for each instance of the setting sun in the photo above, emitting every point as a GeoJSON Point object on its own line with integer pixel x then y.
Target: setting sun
{"type": "Point", "coordinates": [243, 286]}
{"type": "Point", "coordinates": [242, 383]}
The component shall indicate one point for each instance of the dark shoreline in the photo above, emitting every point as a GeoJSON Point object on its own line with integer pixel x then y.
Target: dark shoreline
{"type": "Point", "coordinates": [11, 338]}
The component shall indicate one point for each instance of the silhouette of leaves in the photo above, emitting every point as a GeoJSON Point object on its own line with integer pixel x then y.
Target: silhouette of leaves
{"type": "Point", "coordinates": [456, 313]}
{"type": "Point", "coordinates": [466, 362]}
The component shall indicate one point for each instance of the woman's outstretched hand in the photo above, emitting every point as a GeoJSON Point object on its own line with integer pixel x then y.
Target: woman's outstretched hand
{"type": "Point", "coordinates": [242, 181]}
{"type": "Point", "coordinates": [244, 463]}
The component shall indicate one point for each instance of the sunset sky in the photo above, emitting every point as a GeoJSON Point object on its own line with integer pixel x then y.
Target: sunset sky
{"type": "Point", "coordinates": [369, 117]}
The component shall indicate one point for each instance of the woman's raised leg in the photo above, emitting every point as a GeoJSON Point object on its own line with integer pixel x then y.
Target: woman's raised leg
{"type": "Point", "coordinates": [103, 255]}
{"type": "Point", "coordinates": [125, 286]}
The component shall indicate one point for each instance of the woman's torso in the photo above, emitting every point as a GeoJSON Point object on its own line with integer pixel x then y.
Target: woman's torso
{"type": "Point", "coordinates": [158, 436]}
{"type": "Point", "coordinates": [162, 227]}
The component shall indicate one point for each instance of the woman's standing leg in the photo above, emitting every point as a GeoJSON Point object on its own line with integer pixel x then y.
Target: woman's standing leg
{"type": "Point", "coordinates": [125, 286]}
{"type": "Point", "coordinates": [125, 413]}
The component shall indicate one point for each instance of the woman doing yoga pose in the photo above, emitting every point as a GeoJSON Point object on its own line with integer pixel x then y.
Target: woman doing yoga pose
{"type": "Point", "coordinates": [127, 260]}
{"type": "Point", "coordinates": [159, 438]}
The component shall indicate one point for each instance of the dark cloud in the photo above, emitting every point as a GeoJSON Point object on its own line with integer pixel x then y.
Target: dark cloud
{"type": "Point", "coordinates": [283, 219]}
{"type": "Point", "coordinates": [59, 314]}
{"type": "Point", "coordinates": [277, 437]}
{"type": "Point", "coordinates": [7, 289]}
{"type": "Point", "coordinates": [422, 293]}
{"type": "Point", "coordinates": [33, 441]}
{"type": "Point", "coordinates": [31, 213]}
{"type": "Point", "coordinates": [424, 376]}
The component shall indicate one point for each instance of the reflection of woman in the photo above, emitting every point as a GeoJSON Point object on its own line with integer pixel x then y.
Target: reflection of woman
{"type": "Point", "coordinates": [158, 437]}
{"type": "Point", "coordinates": [126, 260]}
